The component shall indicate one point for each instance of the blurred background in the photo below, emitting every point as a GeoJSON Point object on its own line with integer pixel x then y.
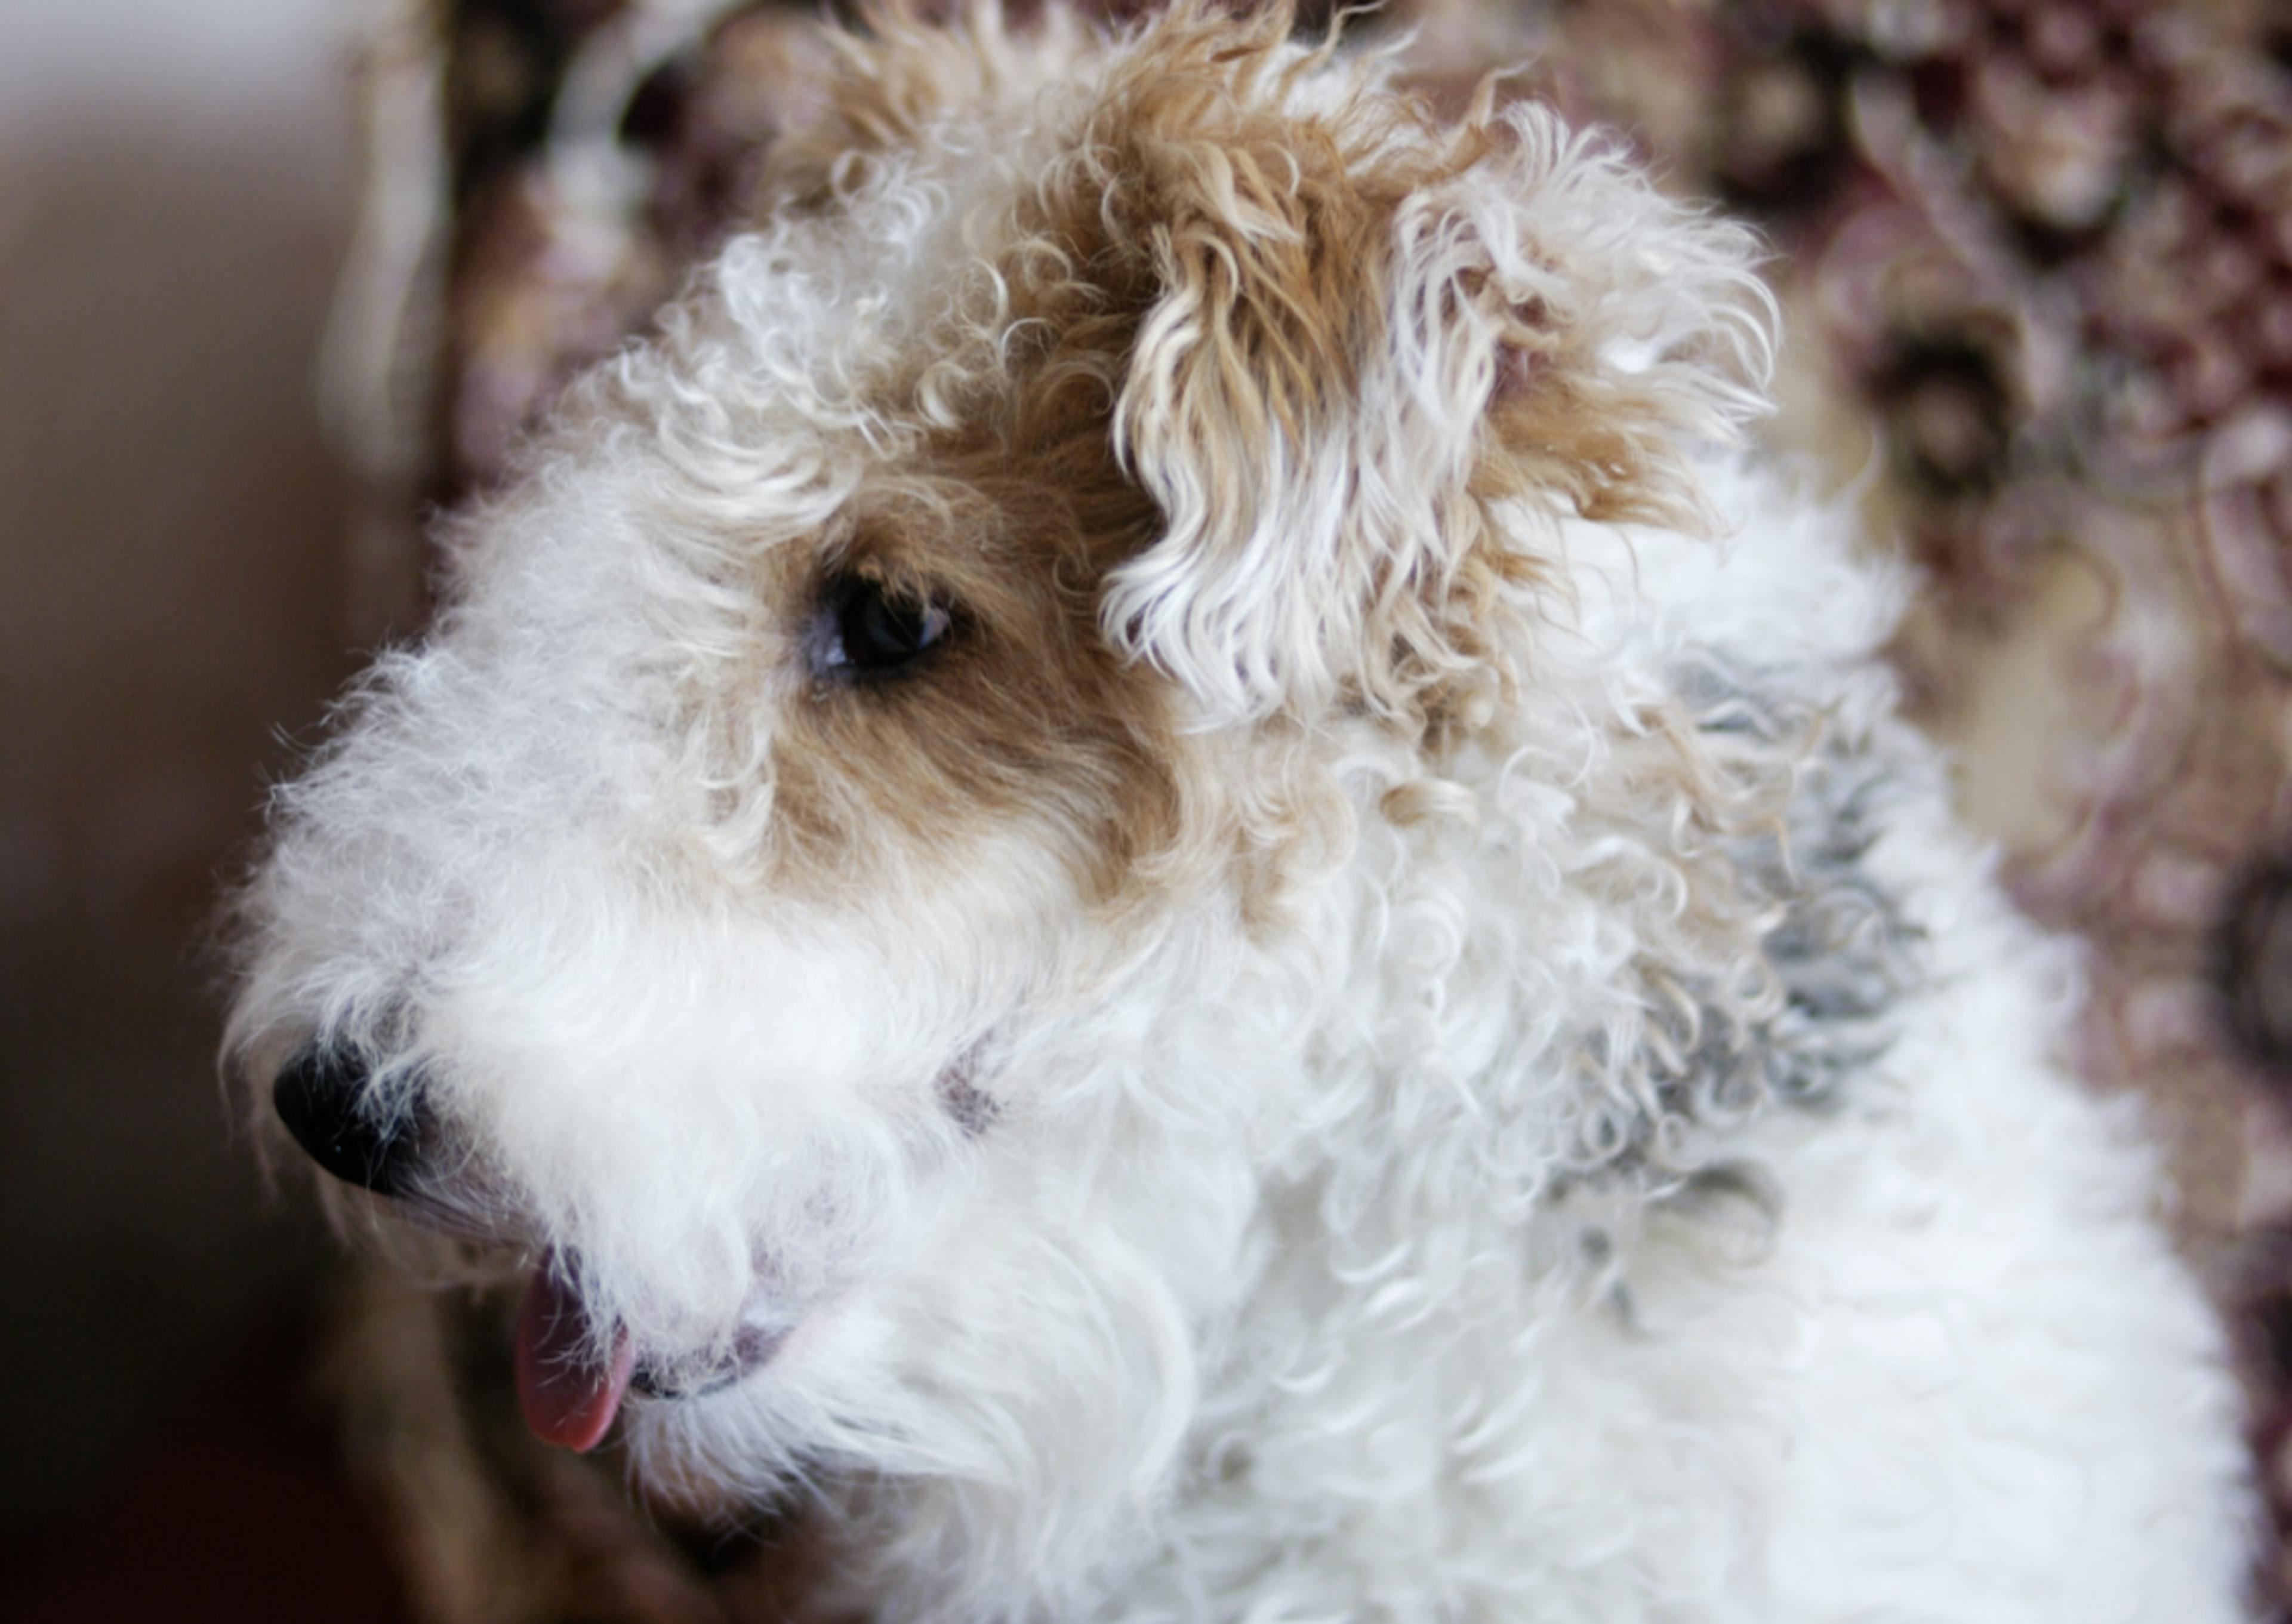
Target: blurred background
{"type": "Point", "coordinates": [2037, 258]}
{"type": "Point", "coordinates": [176, 190]}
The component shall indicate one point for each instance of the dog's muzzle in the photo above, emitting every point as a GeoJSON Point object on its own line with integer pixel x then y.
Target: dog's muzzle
{"type": "Point", "coordinates": [571, 1376]}
{"type": "Point", "coordinates": [321, 1098]}
{"type": "Point", "coordinates": [569, 1395]}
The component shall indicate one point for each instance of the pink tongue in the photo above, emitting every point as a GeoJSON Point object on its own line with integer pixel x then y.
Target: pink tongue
{"type": "Point", "coordinates": [568, 1397]}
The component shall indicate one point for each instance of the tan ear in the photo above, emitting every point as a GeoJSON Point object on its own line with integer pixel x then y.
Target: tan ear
{"type": "Point", "coordinates": [1370, 332]}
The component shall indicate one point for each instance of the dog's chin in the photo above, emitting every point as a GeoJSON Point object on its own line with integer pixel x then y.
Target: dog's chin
{"type": "Point", "coordinates": [660, 1377]}
{"type": "Point", "coordinates": [573, 1376]}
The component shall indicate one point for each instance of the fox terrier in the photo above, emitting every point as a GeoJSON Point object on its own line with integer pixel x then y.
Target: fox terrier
{"type": "Point", "coordinates": [1149, 863]}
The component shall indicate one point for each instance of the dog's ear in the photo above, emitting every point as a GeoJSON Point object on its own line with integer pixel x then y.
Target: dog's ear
{"type": "Point", "coordinates": [1368, 334]}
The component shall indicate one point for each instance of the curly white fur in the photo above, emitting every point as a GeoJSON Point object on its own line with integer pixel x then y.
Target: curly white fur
{"type": "Point", "coordinates": [1558, 1125]}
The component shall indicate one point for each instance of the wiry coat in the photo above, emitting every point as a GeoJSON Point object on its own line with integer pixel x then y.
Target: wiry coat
{"type": "Point", "coordinates": [1385, 1025]}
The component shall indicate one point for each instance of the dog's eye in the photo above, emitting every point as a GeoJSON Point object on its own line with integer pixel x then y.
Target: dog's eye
{"type": "Point", "coordinates": [872, 630]}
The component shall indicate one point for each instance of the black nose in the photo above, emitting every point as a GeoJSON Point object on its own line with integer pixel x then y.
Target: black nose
{"type": "Point", "coordinates": [318, 1096]}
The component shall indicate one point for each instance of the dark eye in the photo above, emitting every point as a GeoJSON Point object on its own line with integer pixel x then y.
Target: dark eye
{"type": "Point", "coordinates": [871, 630]}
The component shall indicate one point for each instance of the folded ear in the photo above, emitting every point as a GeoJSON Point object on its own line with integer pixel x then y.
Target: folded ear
{"type": "Point", "coordinates": [1371, 333]}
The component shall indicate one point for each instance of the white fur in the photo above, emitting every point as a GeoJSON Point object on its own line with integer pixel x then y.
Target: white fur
{"type": "Point", "coordinates": [1392, 1262]}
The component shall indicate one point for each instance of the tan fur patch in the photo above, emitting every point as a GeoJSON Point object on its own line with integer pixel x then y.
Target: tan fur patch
{"type": "Point", "coordinates": [1018, 510]}
{"type": "Point", "coordinates": [1214, 257]}
{"type": "Point", "coordinates": [1022, 716]}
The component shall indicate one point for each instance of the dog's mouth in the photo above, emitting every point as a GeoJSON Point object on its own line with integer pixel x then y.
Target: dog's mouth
{"type": "Point", "coordinates": [574, 1373]}
{"type": "Point", "coordinates": [571, 1395]}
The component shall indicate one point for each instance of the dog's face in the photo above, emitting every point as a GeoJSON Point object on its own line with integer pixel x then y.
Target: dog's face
{"type": "Point", "coordinates": [864, 748]}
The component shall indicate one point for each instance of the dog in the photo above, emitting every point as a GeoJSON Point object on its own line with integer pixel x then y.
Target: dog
{"type": "Point", "coordinates": [1151, 864]}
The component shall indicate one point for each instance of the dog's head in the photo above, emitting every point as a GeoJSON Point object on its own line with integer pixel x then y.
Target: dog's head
{"type": "Point", "coordinates": [818, 893]}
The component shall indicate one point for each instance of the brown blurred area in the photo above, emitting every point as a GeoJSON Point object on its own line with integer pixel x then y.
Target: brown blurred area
{"type": "Point", "coordinates": [175, 195]}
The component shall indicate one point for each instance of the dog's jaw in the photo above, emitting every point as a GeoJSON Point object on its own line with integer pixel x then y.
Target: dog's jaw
{"type": "Point", "coordinates": [572, 1377]}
